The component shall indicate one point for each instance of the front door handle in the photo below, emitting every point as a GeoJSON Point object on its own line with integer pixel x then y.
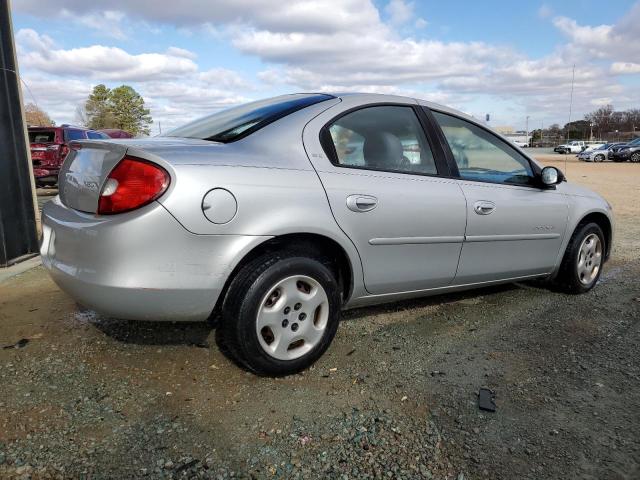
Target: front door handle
{"type": "Point", "coordinates": [484, 207]}
{"type": "Point", "coordinates": [361, 203]}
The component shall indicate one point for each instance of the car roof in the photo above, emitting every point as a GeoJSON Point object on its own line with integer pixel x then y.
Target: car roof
{"type": "Point", "coordinates": [383, 98]}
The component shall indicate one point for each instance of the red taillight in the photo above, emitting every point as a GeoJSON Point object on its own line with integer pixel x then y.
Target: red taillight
{"type": "Point", "coordinates": [132, 184]}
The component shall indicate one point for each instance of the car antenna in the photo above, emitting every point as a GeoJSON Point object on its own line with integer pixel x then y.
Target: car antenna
{"type": "Point", "coordinates": [573, 77]}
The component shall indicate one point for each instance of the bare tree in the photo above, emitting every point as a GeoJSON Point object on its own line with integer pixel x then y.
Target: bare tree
{"type": "Point", "coordinates": [36, 116]}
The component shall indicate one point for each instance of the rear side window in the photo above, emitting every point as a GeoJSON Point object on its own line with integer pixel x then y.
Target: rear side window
{"type": "Point", "coordinates": [74, 134]}
{"type": "Point", "coordinates": [42, 136]}
{"type": "Point", "coordinates": [387, 138]}
{"type": "Point", "coordinates": [238, 122]}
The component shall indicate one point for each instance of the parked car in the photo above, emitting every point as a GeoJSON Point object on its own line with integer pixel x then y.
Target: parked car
{"type": "Point", "coordinates": [575, 146]}
{"type": "Point", "coordinates": [49, 147]}
{"type": "Point", "coordinates": [116, 133]}
{"type": "Point", "coordinates": [592, 146]}
{"type": "Point", "coordinates": [520, 144]}
{"type": "Point", "coordinates": [275, 215]}
{"type": "Point", "coordinates": [626, 152]}
{"type": "Point", "coordinates": [599, 154]}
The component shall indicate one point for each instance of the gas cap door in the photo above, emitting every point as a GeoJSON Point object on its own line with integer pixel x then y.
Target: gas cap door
{"type": "Point", "coordinates": [219, 206]}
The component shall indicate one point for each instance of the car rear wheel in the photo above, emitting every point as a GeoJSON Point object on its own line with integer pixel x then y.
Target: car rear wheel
{"type": "Point", "coordinates": [280, 313]}
{"type": "Point", "coordinates": [598, 158]}
{"type": "Point", "coordinates": [635, 158]}
{"type": "Point", "coordinates": [582, 263]}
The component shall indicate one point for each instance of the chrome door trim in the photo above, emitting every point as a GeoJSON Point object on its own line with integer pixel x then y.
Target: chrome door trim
{"type": "Point", "coordinates": [415, 240]}
{"type": "Point", "coordinates": [511, 238]}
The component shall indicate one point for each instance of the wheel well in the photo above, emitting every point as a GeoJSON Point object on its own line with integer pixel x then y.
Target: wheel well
{"type": "Point", "coordinates": [603, 222]}
{"type": "Point", "coordinates": [310, 244]}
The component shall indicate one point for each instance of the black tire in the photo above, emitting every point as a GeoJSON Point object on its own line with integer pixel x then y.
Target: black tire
{"type": "Point", "coordinates": [635, 158]}
{"type": "Point", "coordinates": [237, 328]}
{"type": "Point", "coordinates": [598, 158]}
{"type": "Point", "coordinates": [568, 279]}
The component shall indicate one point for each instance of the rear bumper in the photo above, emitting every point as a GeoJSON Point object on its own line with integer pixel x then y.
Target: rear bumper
{"type": "Point", "coordinates": [140, 265]}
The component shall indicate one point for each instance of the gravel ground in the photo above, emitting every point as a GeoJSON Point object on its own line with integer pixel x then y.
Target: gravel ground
{"type": "Point", "coordinates": [394, 397]}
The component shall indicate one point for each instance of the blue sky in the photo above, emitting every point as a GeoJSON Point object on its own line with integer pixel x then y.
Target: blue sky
{"type": "Point", "coordinates": [192, 57]}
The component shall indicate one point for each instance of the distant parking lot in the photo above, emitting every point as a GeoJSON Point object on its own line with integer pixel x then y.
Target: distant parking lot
{"type": "Point", "coordinates": [86, 396]}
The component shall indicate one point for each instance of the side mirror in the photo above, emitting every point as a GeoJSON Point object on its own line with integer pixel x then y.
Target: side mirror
{"type": "Point", "coordinates": [551, 176]}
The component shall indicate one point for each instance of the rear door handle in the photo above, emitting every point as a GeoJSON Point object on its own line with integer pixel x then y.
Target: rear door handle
{"type": "Point", "coordinates": [484, 207]}
{"type": "Point", "coordinates": [361, 203]}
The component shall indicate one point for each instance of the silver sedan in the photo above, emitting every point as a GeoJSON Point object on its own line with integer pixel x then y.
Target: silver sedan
{"type": "Point", "coordinates": [275, 215]}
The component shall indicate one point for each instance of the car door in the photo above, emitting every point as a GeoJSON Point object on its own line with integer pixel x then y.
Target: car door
{"type": "Point", "coordinates": [387, 186]}
{"type": "Point", "coordinates": [514, 226]}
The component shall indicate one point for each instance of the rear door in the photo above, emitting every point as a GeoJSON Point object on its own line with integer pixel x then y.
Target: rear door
{"type": "Point", "coordinates": [386, 181]}
{"type": "Point", "coordinates": [514, 227]}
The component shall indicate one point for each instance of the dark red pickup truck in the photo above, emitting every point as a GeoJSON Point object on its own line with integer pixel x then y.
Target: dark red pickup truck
{"type": "Point", "coordinates": [49, 147]}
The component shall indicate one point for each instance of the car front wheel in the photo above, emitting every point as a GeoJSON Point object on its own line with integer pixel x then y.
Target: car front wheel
{"type": "Point", "coordinates": [635, 158]}
{"type": "Point", "coordinates": [582, 262]}
{"type": "Point", "coordinates": [280, 313]}
{"type": "Point", "coordinates": [598, 158]}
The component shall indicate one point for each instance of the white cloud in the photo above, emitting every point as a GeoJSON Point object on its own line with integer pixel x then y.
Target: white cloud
{"type": "Point", "coordinates": [307, 15]}
{"type": "Point", "coordinates": [625, 68]}
{"type": "Point", "coordinates": [340, 45]}
{"type": "Point", "coordinates": [181, 52]}
{"type": "Point", "coordinates": [620, 41]}
{"type": "Point", "coordinates": [98, 61]}
{"type": "Point", "coordinates": [421, 23]}
{"type": "Point", "coordinates": [105, 22]}
{"type": "Point", "coordinates": [399, 11]}
{"type": "Point", "coordinates": [545, 11]}
{"type": "Point", "coordinates": [59, 80]}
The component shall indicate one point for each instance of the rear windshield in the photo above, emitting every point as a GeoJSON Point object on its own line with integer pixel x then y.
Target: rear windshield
{"type": "Point", "coordinates": [42, 136]}
{"type": "Point", "coordinates": [238, 122]}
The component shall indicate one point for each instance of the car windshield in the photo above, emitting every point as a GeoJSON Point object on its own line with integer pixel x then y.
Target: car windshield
{"type": "Point", "coordinates": [635, 141]}
{"type": "Point", "coordinates": [235, 123]}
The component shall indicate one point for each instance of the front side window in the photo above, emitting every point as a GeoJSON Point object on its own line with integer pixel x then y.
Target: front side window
{"type": "Point", "coordinates": [482, 156]}
{"type": "Point", "coordinates": [382, 138]}
{"type": "Point", "coordinates": [237, 122]}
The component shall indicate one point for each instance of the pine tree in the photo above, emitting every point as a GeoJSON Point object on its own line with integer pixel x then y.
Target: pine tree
{"type": "Point", "coordinates": [121, 107]}
{"type": "Point", "coordinates": [127, 107]}
{"type": "Point", "coordinates": [97, 109]}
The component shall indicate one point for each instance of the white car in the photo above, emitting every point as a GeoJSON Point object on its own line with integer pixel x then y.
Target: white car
{"type": "Point", "coordinates": [575, 146]}
{"type": "Point", "coordinates": [520, 144]}
{"type": "Point", "coordinates": [591, 146]}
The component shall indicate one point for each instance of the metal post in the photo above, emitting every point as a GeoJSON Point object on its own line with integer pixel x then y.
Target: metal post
{"type": "Point", "coordinates": [18, 234]}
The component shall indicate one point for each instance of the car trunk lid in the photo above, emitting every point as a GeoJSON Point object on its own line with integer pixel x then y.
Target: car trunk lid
{"type": "Point", "coordinates": [84, 171]}
{"type": "Point", "coordinates": [90, 162]}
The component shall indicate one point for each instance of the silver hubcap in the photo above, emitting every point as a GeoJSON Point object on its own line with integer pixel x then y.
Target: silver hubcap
{"type": "Point", "coordinates": [589, 258]}
{"type": "Point", "coordinates": [292, 318]}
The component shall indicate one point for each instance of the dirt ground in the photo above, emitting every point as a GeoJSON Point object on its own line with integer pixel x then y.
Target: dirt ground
{"type": "Point", "coordinates": [394, 397]}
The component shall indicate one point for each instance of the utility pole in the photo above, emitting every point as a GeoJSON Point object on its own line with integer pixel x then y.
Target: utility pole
{"type": "Point", "coordinates": [527, 132]}
{"type": "Point", "coordinates": [18, 235]}
{"type": "Point", "coordinates": [573, 78]}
